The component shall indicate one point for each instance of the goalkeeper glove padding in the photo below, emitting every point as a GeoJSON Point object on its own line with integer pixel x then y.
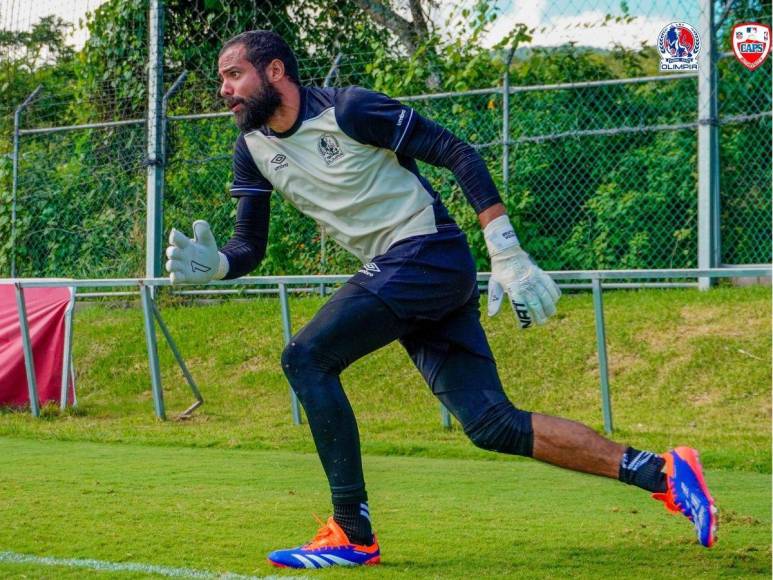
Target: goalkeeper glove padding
{"type": "Point", "coordinates": [195, 260]}
{"type": "Point", "coordinates": [532, 293]}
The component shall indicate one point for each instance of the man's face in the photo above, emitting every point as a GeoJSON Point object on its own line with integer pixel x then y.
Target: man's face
{"type": "Point", "coordinates": [247, 92]}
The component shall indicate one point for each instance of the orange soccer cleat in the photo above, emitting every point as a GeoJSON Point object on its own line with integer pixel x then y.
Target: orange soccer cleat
{"type": "Point", "coordinates": [688, 494]}
{"type": "Point", "coordinates": [330, 547]}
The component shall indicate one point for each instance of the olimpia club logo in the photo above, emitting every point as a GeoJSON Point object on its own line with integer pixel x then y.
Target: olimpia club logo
{"type": "Point", "coordinates": [329, 148]}
{"type": "Point", "coordinates": [679, 44]}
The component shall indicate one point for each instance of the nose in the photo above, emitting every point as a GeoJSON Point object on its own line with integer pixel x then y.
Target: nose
{"type": "Point", "coordinates": [225, 89]}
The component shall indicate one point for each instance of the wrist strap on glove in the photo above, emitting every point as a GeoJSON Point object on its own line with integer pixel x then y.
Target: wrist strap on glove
{"type": "Point", "coordinates": [499, 235]}
{"type": "Point", "coordinates": [222, 267]}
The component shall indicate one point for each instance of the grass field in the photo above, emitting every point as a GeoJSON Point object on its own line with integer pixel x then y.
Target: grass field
{"type": "Point", "coordinates": [108, 482]}
{"type": "Point", "coordinates": [223, 510]}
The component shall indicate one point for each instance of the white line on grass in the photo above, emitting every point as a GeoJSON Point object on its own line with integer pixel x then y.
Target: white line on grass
{"type": "Point", "coordinates": [15, 558]}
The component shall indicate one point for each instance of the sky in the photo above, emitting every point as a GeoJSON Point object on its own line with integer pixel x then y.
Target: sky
{"type": "Point", "coordinates": [559, 21]}
{"type": "Point", "coordinates": [23, 14]}
{"type": "Point", "coordinates": [555, 21]}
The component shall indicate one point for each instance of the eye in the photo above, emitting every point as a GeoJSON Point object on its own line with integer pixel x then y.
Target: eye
{"type": "Point", "coordinates": [234, 75]}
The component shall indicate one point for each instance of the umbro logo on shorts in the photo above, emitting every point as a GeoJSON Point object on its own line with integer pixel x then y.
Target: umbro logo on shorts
{"type": "Point", "coordinates": [369, 269]}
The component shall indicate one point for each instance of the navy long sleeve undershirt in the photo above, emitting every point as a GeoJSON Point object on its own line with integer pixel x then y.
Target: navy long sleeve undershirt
{"type": "Point", "coordinates": [247, 246]}
{"type": "Point", "coordinates": [436, 145]}
{"type": "Point", "coordinates": [379, 120]}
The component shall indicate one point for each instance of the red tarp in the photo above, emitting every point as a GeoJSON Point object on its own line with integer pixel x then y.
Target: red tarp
{"type": "Point", "coordinates": [46, 309]}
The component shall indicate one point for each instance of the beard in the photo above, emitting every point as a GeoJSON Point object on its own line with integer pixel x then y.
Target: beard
{"type": "Point", "coordinates": [257, 110]}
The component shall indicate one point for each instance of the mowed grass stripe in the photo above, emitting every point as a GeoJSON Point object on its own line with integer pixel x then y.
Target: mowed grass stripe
{"type": "Point", "coordinates": [219, 509]}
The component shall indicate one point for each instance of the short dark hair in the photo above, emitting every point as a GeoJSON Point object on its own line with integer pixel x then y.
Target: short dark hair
{"type": "Point", "coordinates": [262, 47]}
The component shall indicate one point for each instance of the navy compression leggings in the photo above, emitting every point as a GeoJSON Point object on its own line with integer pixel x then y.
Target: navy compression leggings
{"type": "Point", "coordinates": [354, 323]}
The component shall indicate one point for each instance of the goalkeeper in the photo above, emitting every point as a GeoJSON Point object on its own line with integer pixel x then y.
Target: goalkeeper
{"type": "Point", "coordinates": [347, 158]}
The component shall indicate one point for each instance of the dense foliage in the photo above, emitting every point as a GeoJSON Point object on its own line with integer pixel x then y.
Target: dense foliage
{"type": "Point", "coordinates": [582, 192]}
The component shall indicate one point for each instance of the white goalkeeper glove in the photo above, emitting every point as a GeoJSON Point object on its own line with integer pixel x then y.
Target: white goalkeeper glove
{"type": "Point", "coordinates": [195, 260]}
{"type": "Point", "coordinates": [532, 293]}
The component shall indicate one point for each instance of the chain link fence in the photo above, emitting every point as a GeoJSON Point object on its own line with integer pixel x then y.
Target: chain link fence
{"type": "Point", "coordinates": [745, 150]}
{"type": "Point", "coordinates": [594, 150]}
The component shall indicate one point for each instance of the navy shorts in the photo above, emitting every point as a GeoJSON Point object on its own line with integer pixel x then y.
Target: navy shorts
{"type": "Point", "coordinates": [430, 282]}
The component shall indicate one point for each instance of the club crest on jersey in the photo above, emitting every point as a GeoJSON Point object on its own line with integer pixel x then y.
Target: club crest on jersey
{"type": "Point", "coordinates": [679, 44]}
{"type": "Point", "coordinates": [329, 148]}
{"type": "Point", "coordinates": [751, 43]}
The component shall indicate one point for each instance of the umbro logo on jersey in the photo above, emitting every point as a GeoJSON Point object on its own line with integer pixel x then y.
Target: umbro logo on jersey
{"type": "Point", "coordinates": [279, 161]}
{"type": "Point", "coordinates": [369, 269]}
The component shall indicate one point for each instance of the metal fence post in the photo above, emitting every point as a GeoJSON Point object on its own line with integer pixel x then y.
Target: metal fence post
{"type": "Point", "coordinates": [180, 362]}
{"type": "Point", "coordinates": [155, 177]}
{"type": "Point", "coordinates": [67, 354]}
{"type": "Point", "coordinates": [708, 147]}
{"type": "Point", "coordinates": [146, 298]}
{"type": "Point", "coordinates": [506, 124]}
{"type": "Point", "coordinates": [601, 339]}
{"type": "Point", "coordinates": [176, 86]}
{"type": "Point", "coordinates": [26, 342]}
{"type": "Point", "coordinates": [15, 162]}
{"type": "Point", "coordinates": [287, 334]}
{"type": "Point", "coordinates": [445, 417]}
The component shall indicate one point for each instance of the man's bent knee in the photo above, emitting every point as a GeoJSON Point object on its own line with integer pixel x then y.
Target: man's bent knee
{"type": "Point", "coordinates": [304, 355]}
{"type": "Point", "coordinates": [292, 359]}
{"type": "Point", "coordinates": [504, 428]}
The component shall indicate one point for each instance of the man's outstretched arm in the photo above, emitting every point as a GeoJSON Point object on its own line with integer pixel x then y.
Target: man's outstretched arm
{"type": "Point", "coordinates": [532, 293]}
{"type": "Point", "coordinates": [197, 260]}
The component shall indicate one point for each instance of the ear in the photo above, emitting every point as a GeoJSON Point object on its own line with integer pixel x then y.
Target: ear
{"type": "Point", "coordinates": [275, 70]}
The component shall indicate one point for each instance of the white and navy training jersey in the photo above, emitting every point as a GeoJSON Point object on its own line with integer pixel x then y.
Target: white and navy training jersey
{"type": "Point", "coordinates": [349, 162]}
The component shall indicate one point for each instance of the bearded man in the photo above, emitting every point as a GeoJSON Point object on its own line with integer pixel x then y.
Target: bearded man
{"type": "Point", "coordinates": [346, 157]}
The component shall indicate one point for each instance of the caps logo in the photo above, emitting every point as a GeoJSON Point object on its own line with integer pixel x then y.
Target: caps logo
{"type": "Point", "coordinates": [751, 43]}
